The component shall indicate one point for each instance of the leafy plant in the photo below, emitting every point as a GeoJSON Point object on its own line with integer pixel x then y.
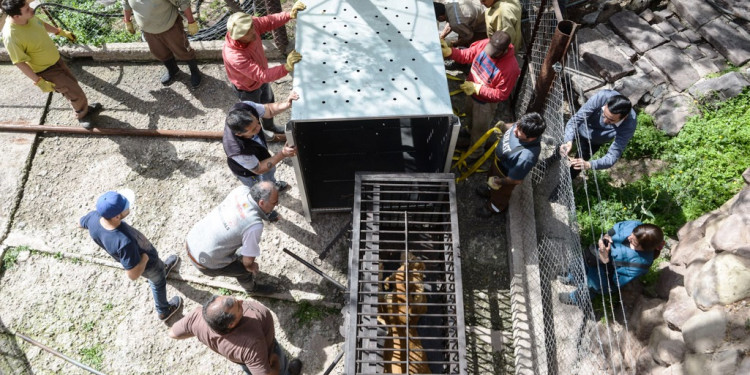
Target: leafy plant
{"type": "Point", "coordinates": [224, 291]}
{"type": "Point", "coordinates": [108, 306]}
{"type": "Point", "coordinates": [647, 142]}
{"type": "Point", "coordinates": [92, 356]}
{"type": "Point", "coordinates": [11, 256]}
{"type": "Point", "coordinates": [88, 326]}
{"type": "Point", "coordinates": [88, 28]}
{"type": "Point", "coordinates": [730, 68]}
{"type": "Point", "coordinates": [307, 312]}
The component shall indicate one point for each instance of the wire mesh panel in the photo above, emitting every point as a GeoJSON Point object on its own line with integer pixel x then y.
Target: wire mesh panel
{"type": "Point", "coordinates": [406, 312]}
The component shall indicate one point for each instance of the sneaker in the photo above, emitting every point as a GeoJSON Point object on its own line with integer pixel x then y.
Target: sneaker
{"type": "Point", "coordinates": [261, 289]}
{"type": "Point", "coordinates": [86, 121]}
{"type": "Point", "coordinates": [282, 186]}
{"type": "Point", "coordinates": [483, 191]}
{"type": "Point", "coordinates": [169, 264]}
{"type": "Point", "coordinates": [273, 216]}
{"type": "Point", "coordinates": [294, 367]}
{"type": "Point", "coordinates": [174, 305]}
{"type": "Point", "coordinates": [567, 298]}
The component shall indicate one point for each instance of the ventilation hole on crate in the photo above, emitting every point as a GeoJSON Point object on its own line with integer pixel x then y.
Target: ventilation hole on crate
{"type": "Point", "coordinates": [347, 101]}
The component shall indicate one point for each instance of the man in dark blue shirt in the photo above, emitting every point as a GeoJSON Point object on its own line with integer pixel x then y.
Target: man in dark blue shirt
{"type": "Point", "coordinates": [514, 159]}
{"type": "Point", "coordinates": [131, 248]}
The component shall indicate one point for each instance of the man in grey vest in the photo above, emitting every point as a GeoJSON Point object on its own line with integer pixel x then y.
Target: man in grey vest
{"type": "Point", "coordinates": [226, 241]}
{"type": "Point", "coordinates": [514, 159]}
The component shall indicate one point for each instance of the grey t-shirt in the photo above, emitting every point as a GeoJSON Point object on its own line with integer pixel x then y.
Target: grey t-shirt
{"type": "Point", "coordinates": [234, 224]}
{"type": "Point", "coordinates": [517, 162]}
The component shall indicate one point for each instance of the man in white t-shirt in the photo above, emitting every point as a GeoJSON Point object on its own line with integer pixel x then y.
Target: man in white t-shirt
{"type": "Point", "coordinates": [226, 241]}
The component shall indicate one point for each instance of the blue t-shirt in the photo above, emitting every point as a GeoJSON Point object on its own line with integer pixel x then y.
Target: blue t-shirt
{"type": "Point", "coordinates": [516, 161]}
{"type": "Point", "coordinates": [124, 243]}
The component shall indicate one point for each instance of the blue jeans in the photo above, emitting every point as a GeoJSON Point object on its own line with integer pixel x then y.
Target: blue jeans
{"type": "Point", "coordinates": [252, 180]}
{"type": "Point", "coordinates": [282, 360]}
{"type": "Point", "coordinates": [157, 278]}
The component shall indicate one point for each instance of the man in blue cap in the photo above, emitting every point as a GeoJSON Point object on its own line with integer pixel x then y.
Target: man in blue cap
{"type": "Point", "coordinates": [131, 248]}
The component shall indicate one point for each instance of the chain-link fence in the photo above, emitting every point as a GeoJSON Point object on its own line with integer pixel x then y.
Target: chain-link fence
{"type": "Point", "coordinates": [95, 22]}
{"type": "Point", "coordinates": [566, 336]}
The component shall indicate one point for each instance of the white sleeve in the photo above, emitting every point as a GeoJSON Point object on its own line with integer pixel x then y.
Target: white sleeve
{"type": "Point", "coordinates": [251, 241]}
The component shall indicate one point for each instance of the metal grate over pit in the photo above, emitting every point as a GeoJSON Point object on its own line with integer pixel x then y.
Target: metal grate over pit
{"type": "Point", "coordinates": [406, 308]}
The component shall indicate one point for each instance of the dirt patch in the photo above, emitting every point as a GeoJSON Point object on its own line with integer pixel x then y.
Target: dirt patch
{"type": "Point", "coordinates": [628, 171]}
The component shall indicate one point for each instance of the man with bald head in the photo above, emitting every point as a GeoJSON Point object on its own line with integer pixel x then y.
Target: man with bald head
{"type": "Point", "coordinates": [227, 241]}
{"type": "Point", "coordinates": [241, 331]}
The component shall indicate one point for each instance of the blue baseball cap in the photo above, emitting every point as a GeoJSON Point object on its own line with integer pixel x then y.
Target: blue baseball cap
{"type": "Point", "coordinates": [111, 204]}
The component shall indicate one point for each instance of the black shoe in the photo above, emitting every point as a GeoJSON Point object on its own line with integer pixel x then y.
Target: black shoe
{"type": "Point", "coordinates": [169, 264]}
{"type": "Point", "coordinates": [261, 289]}
{"type": "Point", "coordinates": [282, 186]}
{"type": "Point", "coordinates": [86, 122]}
{"type": "Point", "coordinates": [172, 70]}
{"type": "Point", "coordinates": [174, 305]}
{"type": "Point", "coordinates": [195, 74]}
{"type": "Point", "coordinates": [485, 212]}
{"type": "Point", "coordinates": [294, 367]}
{"type": "Point", "coordinates": [483, 191]}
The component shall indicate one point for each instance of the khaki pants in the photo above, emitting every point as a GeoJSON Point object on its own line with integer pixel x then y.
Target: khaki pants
{"type": "Point", "coordinates": [482, 115]}
{"type": "Point", "coordinates": [67, 85]}
{"type": "Point", "coordinates": [500, 197]}
{"type": "Point", "coordinates": [171, 44]}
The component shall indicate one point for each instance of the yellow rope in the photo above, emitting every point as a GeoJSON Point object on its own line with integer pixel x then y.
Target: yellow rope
{"type": "Point", "coordinates": [461, 163]}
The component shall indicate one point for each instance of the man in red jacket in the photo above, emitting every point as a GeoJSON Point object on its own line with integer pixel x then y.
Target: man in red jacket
{"type": "Point", "coordinates": [246, 63]}
{"type": "Point", "coordinates": [493, 75]}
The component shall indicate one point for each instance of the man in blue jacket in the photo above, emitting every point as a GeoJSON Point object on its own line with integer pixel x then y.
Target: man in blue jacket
{"type": "Point", "coordinates": [607, 115]}
{"type": "Point", "coordinates": [625, 253]}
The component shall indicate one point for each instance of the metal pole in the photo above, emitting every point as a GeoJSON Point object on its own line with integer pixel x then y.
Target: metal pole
{"type": "Point", "coordinates": [58, 354]}
{"type": "Point", "coordinates": [333, 364]}
{"type": "Point", "coordinates": [553, 63]}
{"type": "Point", "coordinates": [318, 271]}
{"type": "Point", "coordinates": [109, 131]}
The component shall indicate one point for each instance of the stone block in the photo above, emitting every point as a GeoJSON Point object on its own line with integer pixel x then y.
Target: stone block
{"type": "Point", "coordinates": [602, 58]}
{"type": "Point", "coordinates": [583, 79]}
{"type": "Point", "coordinates": [661, 15]}
{"type": "Point", "coordinates": [670, 277]}
{"type": "Point", "coordinates": [746, 177]}
{"type": "Point", "coordinates": [722, 280]}
{"type": "Point", "coordinates": [674, 64]}
{"type": "Point", "coordinates": [654, 74]}
{"type": "Point", "coordinates": [675, 22]}
{"type": "Point", "coordinates": [646, 316]}
{"type": "Point", "coordinates": [694, 53]}
{"type": "Point", "coordinates": [648, 16]}
{"type": "Point", "coordinates": [679, 309]}
{"type": "Point", "coordinates": [623, 47]}
{"type": "Point", "coordinates": [673, 112]}
{"type": "Point", "coordinates": [708, 50]}
{"type": "Point", "coordinates": [636, 31]}
{"type": "Point", "coordinates": [741, 205]}
{"type": "Point", "coordinates": [704, 66]}
{"type": "Point", "coordinates": [726, 361]}
{"type": "Point", "coordinates": [744, 367]}
{"type": "Point", "coordinates": [696, 364]}
{"type": "Point", "coordinates": [634, 87]}
{"type": "Point", "coordinates": [680, 41]}
{"type": "Point", "coordinates": [665, 28]}
{"type": "Point", "coordinates": [731, 43]}
{"type": "Point", "coordinates": [696, 13]}
{"type": "Point", "coordinates": [604, 30]}
{"type": "Point", "coordinates": [691, 36]}
{"type": "Point", "coordinates": [704, 332]}
{"type": "Point", "coordinates": [669, 352]}
{"type": "Point", "coordinates": [733, 234]}
{"type": "Point", "coordinates": [726, 86]}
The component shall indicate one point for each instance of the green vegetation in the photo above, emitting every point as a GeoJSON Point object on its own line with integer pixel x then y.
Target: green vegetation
{"type": "Point", "coordinates": [92, 356]}
{"type": "Point", "coordinates": [705, 165]}
{"type": "Point", "coordinates": [11, 256]}
{"type": "Point", "coordinates": [88, 326]}
{"type": "Point", "coordinates": [730, 68]}
{"type": "Point", "coordinates": [90, 29]}
{"type": "Point", "coordinates": [224, 292]}
{"type": "Point", "coordinates": [108, 306]}
{"type": "Point", "coordinates": [306, 312]}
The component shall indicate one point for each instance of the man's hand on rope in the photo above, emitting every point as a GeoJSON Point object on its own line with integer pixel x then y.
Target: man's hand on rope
{"type": "Point", "coordinates": [471, 88]}
{"type": "Point", "coordinates": [565, 148]}
{"type": "Point", "coordinates": [44, 85]}
{"type": "Point", "coordinates": [131, 29]}
{"type": "Point", "coordinates": [296, 8]}
{"type": "Point", "coordinates": [65, 33]}
{"type": "Point", "coordinates": [605, 244]}
{"type": "Point", "coordinates": [192, 28]}
{"type": "Point", "coordinates": [580, 164]}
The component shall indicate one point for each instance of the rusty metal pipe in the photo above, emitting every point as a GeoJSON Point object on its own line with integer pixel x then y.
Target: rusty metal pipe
{"type": "Point", "coordinates": [58, 354]}
{"type": "Point", "coordinates": [553, 63]}
{"type": "Point", "coordinates": [109, 131]}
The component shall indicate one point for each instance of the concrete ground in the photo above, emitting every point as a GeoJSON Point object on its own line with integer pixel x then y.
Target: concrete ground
{"type": "Point", "coordinates": [69, 295]}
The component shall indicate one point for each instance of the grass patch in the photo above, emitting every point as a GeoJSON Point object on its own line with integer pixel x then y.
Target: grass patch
{"type": "Point", "coordinates": [88, 326]}
{"type": "Point", "coordinates": [705, 165]}
{"type": "Point", "coordinates": [730, 68]}
{"type": "Point", "coordinates": [10, 258]}
{"type": "Point", "coordinates": [307, 312]}
{"type": "Point", "coordinates": [92, 356]}
{"type": "Point", "coordinates": [224, 292]}
{"type": "Point", "coordinates": [108, 306]}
